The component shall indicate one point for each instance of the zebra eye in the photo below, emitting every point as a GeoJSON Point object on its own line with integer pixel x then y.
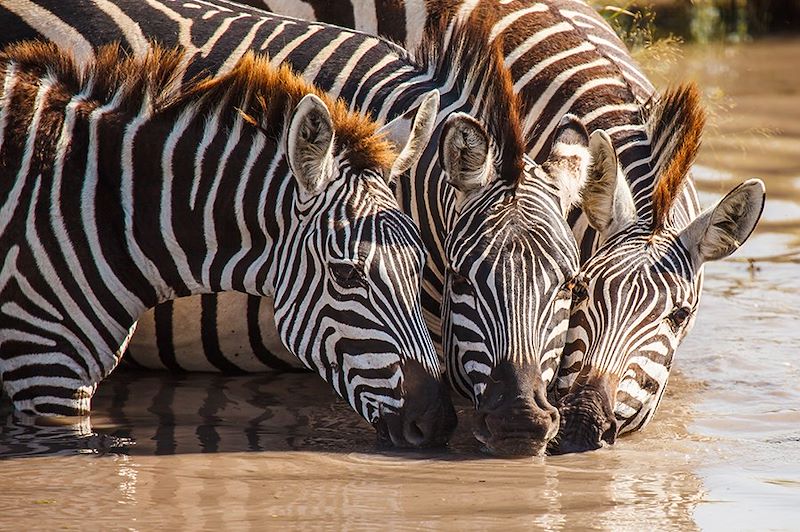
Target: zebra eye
{"type": "Point", "coordinates": [458, 282]}
{"type": "Point", "coordinates": [347, 275]}
{"type": "Point", "coordinates": [579, 291]}
{"type": "Point", "coordinates": [678, 317]}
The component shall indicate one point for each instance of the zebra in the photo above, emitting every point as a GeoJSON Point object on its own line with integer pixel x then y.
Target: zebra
{"type": "Point", "coordinates": [502, 359]}
{"type": "Point", "coordinates": [637, 296]}
{"type": "Point", "coordinates": [564, 58]}
{"type": "Point", "coordinates": [102, 218]}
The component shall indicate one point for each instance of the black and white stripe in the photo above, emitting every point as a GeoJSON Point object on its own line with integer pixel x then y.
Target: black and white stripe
{"type": "Point", "coordinates": [564, 58]}
{"type": "Point", "coordinates": [378, 76]}
{"type": "Point", "coordinates": [109, 208]}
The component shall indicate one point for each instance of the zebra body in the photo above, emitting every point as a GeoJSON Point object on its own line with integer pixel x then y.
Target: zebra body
{"type": "Point", "coordinates": [109, 209]}
{"type": "Point", "coordinates": [380, 77]}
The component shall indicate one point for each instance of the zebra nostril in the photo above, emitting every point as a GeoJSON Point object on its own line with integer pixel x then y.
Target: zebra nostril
{"type": "Point", "coordinates": [414, 434]}
{"type": "Point", "coordinates": [610, 433]}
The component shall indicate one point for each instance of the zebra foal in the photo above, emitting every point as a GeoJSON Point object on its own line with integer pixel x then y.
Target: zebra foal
{"type": "Point", "coordinates": [106, 211]}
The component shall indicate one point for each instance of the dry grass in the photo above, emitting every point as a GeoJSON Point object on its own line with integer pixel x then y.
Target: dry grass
{"type": "Point", "coordinates": [635, 24]}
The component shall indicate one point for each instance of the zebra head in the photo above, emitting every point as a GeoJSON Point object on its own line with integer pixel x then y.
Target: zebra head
{"type": "Point", "coordinates": [512, 260]}
{"type": "Point", "coordinates": [637, 295]}
{"type": "Point", "coordinates": [348, 301]}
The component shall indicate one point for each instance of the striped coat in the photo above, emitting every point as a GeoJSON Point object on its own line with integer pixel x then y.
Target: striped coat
{"type": "Point", "coordinates": [103, 216]}
{"type": "Point", "coordinates": [372, 74]}
{"type": "Point", "coordinates": [564, 58]}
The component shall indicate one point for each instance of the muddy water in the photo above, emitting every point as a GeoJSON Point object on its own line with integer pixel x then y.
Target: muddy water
{"type": "Point", "coordinates": [261, 451]}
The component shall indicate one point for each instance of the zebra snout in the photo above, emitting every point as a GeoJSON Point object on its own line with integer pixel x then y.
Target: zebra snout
{"type": "Point", "coordinates": [514, 417]}
{"type": "Point", "coordinates": [518, 428]}
{"type": "Point", "coordinates": [427, 417]}
{"type": "Point", "coordinates": [588, 420]}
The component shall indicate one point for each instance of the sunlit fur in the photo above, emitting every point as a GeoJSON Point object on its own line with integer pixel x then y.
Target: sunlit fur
{"type": "Point", "coordinates": [106, 213]}
{"type": "Point", "coordinates": [677, 119]}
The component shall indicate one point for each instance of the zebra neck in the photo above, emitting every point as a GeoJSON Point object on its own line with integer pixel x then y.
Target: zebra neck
{"type": "Point", "coordinates": [205, 226]}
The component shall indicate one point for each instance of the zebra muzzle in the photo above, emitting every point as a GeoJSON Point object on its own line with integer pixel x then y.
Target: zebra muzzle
{"type": "Point", "coordinates": [427, 417]}
{"type": "Point", "coordinates": [587, 419]}
{"type": "Point", "coordinates": [514, 417]}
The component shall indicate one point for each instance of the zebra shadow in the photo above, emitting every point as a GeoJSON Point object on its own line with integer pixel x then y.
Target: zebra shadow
{"type": "Point", "coordinates": [159, 413]}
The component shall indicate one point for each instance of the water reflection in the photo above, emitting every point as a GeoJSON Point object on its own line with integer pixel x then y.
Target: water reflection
{"type": "Point", "coordinates": [157, 413]}
{"type": "Point", "coordinates": [212, 451]}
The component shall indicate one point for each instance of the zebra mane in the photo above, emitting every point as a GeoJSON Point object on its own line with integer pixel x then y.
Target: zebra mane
{"type": "Point", "coordinates": [276, 91]}
{"type": "Point", "coordinates": [675, 126]}
{"type": "Point", "coordinates": [112, 74]}
{"type": "Point", "coordinates": [464, 53]}
{"type": "Point", "coordinates": [263, 94]}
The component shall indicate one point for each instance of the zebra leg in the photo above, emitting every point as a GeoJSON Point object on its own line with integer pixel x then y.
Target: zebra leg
{"type": "Point", "coordinates": [48, 388]}
{"type": "Point", "coordinates": [51, 369]}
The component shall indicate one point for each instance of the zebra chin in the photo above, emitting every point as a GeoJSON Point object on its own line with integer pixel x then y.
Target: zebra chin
{"type": "Point", "coordinates": [514, 417]}
{"type": "Point", "coordinates": [587, 419]}
{"type": "Point", "coordinates": [427, 417]}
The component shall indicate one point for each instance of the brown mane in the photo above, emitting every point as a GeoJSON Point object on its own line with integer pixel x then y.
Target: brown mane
{"type": "Point", "coordinates": [154, 77]}
{"type": "Point", "coordinates": [265, 93]}
{"type": "Point", "coordinates": [463, 50]}
{"type": "Point", "coordinates": [676, 123]}
{"type": "Point", "coordinates": [278, 89]}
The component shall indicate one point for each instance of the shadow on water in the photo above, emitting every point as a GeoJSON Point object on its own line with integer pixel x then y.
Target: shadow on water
{"type": "Point", "coordinates": [157, 413]}
{"type": "Point", "coordinates": [213, 451]}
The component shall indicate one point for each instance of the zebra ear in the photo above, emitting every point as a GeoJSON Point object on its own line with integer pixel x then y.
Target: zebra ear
{"type": "Point", "coordinates": [412, 132]}
{"type": "Point", "coordinates": [721, 229]}
{"type": "Point", "coordinates": [309, 145]}
{"type": "Point", "coordinates": [607, 200]}
{"type": "Point", "coordinates": [568, 161]}
{"type": "Point", "coordinates": [465, 153]}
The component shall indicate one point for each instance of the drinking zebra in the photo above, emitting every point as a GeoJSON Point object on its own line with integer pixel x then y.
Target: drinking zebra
{"type": "Point", "coordinates": [564, 58]}
{"type": "Point", "coordinates": [507, 319]}
{"type": "Point", "coordinates": [109, 209]}
{"type": "Point", "coordinates": [637, 296]}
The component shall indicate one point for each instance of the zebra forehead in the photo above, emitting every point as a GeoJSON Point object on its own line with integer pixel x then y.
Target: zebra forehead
{"type": "Point", "coordinates": [655, 256]}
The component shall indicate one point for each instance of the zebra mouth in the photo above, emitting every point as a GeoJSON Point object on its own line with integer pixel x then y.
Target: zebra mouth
{"type": "Point", "coordinates": [587, 422]}
{"type": "Point", "coordinates": [383, 436]}
{"type": "Point", "coordinates": [393, 432]}
{"type": "Point", "coordinates": [513, 416]}
{"type": "Point", "coordinates": [504, 437]}
{"type": "Point", "coordinates": [416, 429]}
